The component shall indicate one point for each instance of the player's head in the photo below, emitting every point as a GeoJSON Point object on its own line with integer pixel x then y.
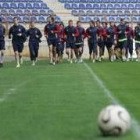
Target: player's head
{"type": "Point", "coordinates": [15, 20]}
{"type": "Point", "coordinates": [98, 22]}
{"type": "Point", "coordinates": [51, 19]}
{"type": "Point", "coordinates": [0, 21]}
{"type": "Point", "coordinates": [104, 24]}
{"type": "Point", "coordinates": [138, 24]}
{"type": "Point", "coordinates": [92, 23]}
{"type": "Point", "coordinates": [32, 24]}
{"type": "Point", "coordinates": [70, 22]}
{"type": "Point", "coordinates": [79, 23]}
{"type": "Point", "coordinates": [122, 21]}
{"type": "Point", "coordinates": [112, 24]}
{"type": "Point", "coordinates": [62, 24]}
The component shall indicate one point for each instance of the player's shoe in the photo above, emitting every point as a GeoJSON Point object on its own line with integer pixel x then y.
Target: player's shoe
{"type": "Point", "coordinates": [112, 59]}
{"type": "Point", "coordinates": [100, 59]}
{"type": "Point", "coordinates": [18, 66]}
{"type": "Point", "coordinates": [53, 63]}
{"type": "Point", "coordinates": [93, 60]}
{"type": "Point", "coordinates": [123, 58]}
{"type": "Point", "coordinates": [80, 60]}
{"type": "Point", "coordinates": [137, 60]}
{"type": "Point", "coordinates": [127, 59]}
{"type": "Point", "coordinates": [33, 64]}
{"type": "Point", "coordinates": [71, 61]}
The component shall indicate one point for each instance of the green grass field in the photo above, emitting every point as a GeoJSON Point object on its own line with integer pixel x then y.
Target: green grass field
{"type": "Point", "coordinates": [62, 102]}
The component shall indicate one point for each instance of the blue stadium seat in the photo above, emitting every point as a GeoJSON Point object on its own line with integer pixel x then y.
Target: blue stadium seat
{"type": "Point", "coordinates": [67, 6]}
{"type": "Point", "coordinates": [29, 6]}
{"type": "Point", "coordinates": [124, 6]}
{"type": "Point", "coordinates": [13, 6]}
{"type": "Point", "coordinates": [10, 19]}
{"type": "Point", "coordinates": [82, 12]}
{"type": "Point", "coordinates": [33, 18]}
{"type": "Point", "coordinates": [57, 19]}
{"type": "Point", "coordinates": [3, 12]}
{"type": "Point", "coordinates": [97, 12]}
{"type": "Point", "coordinates": [126, 12]}
{"type": "Point", "coordinates": [19, 12]}
{"type": "Point", "coordinates": [43, 12]}
{"type": "Point", "coordinates": [27, 12]}
{"type": "Point", "coordinates": [110, 6]}
{"type": "Point", "coordinates": [21, 5]}
{"type": "Point", "coordinates": [26, 19]}
{"type": "Point", "coordinates": [137, 6]}
{"type": "Point", "coordinates": [120, 12]}
{"type": "Point", "coordinates": [82, 6]}
{"type": "Point", "coordinates": [12, 12]}
{"type": "Point", "coordinates": [74, 12]}
{"type": "Point", "coordinates": [111, 19]}
{"type": "Point", "coordinates": [117, 6]}
{"type": "Point", "coordinates": [5, 6]}
{"type": "Point", "coordinates": [89, 13]}
{"type": "Point", "coordinates": [131, 6]}
{"type": "Point", "coordinates": [103, 6]}
{"type": "Point", "coordinates": [35, 12]}
{"type": "Point", "coordinates": [44, 6]}
{"type": "Point", "coordinates": [89, 6]}
{"type": "Point", "coordinates": [36, 6]}
{"type": "Point", "coordinates": [41, 19]}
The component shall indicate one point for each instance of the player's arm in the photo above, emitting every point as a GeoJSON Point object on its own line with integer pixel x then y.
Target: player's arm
{"type": "Point", "coordinates": [45, 31]}
{"type": "Point", "coordinates": [10, 33]}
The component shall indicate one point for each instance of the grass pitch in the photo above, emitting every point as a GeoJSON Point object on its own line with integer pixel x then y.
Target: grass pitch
{"type": "Point", "coordinates": [62, 102]}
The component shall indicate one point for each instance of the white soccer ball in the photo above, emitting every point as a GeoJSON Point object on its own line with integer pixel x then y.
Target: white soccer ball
{"type": "Point", "coordinates": [114, 120]}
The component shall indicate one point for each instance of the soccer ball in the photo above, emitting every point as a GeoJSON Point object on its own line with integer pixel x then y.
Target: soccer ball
{"type": "Point", "coordinates": [114, 120]}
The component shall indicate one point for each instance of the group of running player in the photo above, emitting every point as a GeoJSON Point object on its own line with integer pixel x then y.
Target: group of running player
{"type": "Point", "coordinates": [117, 39]}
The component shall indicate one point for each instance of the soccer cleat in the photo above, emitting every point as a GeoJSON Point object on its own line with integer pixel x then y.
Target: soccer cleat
{"type": "Point", "coordinates": [71, 61]}
{"type": "Point", "coordinates": [18, 66]}
{"type": "Point", "coordinates": [127, 59]}
{"type": "Point", "coordinates": [112, 59]}
{"type": "Point", "coordinates": [93, 61]}
{"type": "Point", "coordinates": [80, 60]}
{"type": "Point", "coordinates": [123, 58]}
{"type": "Point", "coordinates": [53, 63]}
{"type": "Point", "coordinates": [33, 64]}
{"type": "Point", "coordinates": [100, 59]}
{"type": "Point", "coordinates": [137, 60]}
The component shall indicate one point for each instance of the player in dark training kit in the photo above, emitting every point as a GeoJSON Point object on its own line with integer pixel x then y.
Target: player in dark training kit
{"type": "Point", "coordinates": [79, 44]}
{"type": "Point", "coordinates": [18, 33]}
{"type": "Point", "coordinates": [92, 35]}
{"type": "Point", "coordinates": [70, 35]}
{"type": "Point", "coordinates": [121, 31]}
{"type": "Point", "coordinates": [110, 33]}
{"type": "Point", "coordinates": [34, 35]}
{"type": "Point", "coordinates": [137, 41]}
{"type": "Point", "coordinates": [2, 42]}
{"type": "Point", "coordinates": [50, 34]}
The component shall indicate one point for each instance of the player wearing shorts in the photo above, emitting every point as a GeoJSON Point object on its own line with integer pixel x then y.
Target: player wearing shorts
{"type": "Point", "coordinates": [92, 35]}
{"type": "Point", "coordinates": [50, 34]}
{"type": "Point", "coordinates": [122, 38]}
{"type": "Point", "coordinates": [2, 42]}
{"type": "Point", "coordinates": [130, 36]}
{"type": "Point", "coordinates": [110, 40]}
{"type": "Point", "coordinates": [70, 35]}
{"type": "Point", "coordinates": [34, 35]}
{"type": "Point", "coordinates": [137, 41]}
{"type": "Point", "coordinates": [79, 42]}
{"type": "Point", "coordinates": [18, 34]}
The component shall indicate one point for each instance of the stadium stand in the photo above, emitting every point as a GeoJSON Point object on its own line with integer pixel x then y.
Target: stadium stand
{"type": "Point", "coordinates": [26, 10]}
{"type": "Point", "coordinates": [95, 9]}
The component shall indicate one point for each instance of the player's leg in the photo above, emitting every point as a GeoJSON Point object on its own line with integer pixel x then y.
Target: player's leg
{"type": "Point", "coordinates": [131, 50]}
{"type": "Point", "coordinates": [20, 46]}
{"type": "Point", "coordinates": [101, 49]}
{"type": "Point", "coordinates": [90, 50]}
{"type": "Point", "coordinates": [123, 50]}
{"type": "Point", "coordinates": [68, 50]}
{"type": "Point", "coordinates": [137, 51]}
{"type": "Point", "coordinates": [94, 50]}
{"type": "Point", "coordinates": [76, 50]}
{"type": "Point", "coordinates": [32, 53]}
{"type": "Point", "coordinates": [54, 52]}
{"type": "Point", "coordinates": [2, 50]}
{"type": "Point", "coordinates": [80, 53]}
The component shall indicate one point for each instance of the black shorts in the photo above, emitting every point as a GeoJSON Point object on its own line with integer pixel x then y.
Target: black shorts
{"type": "Point", "coordinates": [79, 45]}
{"type": "Point", "coordinates": [70, 45]}
{"type": "Point", "coordinates": [2, 45]}
{"type": "Point", "coordinates": [92, 47]}
{"type": "Point", "coordinates": [122, 45]}
{"type": "Point", "coordinates": [52, 42]}
{"type": "Point", "coordinates": [18, 46]}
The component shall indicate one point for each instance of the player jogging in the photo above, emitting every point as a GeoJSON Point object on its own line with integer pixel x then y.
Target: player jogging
{"type": "Point", "coordinates": [18, 33]}
{"type": "Point", "coordinates": [34, 35]}
{"type": "Point", "coordinates": [2, 42]}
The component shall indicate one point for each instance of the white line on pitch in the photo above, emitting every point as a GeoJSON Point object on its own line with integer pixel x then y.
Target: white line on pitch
{"type": "Point", "coordinates": [135, 124]}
